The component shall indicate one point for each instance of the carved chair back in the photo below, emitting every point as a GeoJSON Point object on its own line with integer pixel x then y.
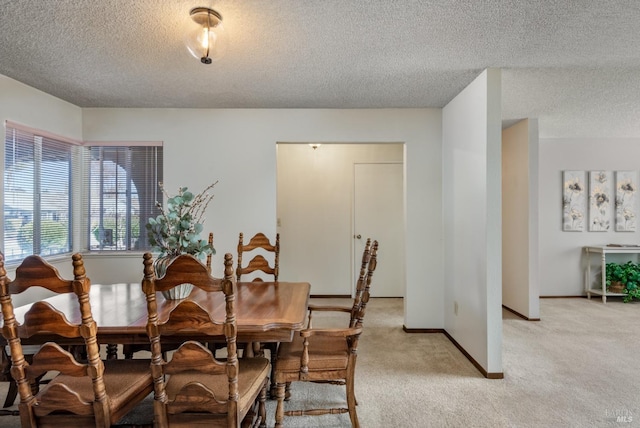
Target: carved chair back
{"type": "Point", "coordinates": [361, 283]}
{"type": "Point", "coordinates": [43, 318]}
{"type": "Point", "coordinates": [362, 298]}
{"type": "Point", "coordinates": [128, 349]}
{"type": "Point", "coordinates": [258, 262]}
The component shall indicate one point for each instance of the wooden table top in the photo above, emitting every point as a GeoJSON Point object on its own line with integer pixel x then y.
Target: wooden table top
{"type": "Point", "coordinates": [268, 311]}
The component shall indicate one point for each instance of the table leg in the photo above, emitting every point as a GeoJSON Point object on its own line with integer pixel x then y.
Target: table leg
{"type": "Point", "coordinates": [604, 278]}
{"type": "Point", "coordinates": [273, 354]}
{"type": "Point", "coordinates": [112, 351]}
{"type": "Point", "coordinates": [587, 279]}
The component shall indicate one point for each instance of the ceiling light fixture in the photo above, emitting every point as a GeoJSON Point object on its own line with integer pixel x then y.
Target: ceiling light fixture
{"type": "Point", "coordinates": [207, 40]}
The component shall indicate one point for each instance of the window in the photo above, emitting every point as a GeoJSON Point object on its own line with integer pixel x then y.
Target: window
{"type": "Point", "coordinates": [37, 197]}
{"type": "Point", "coordinates": [119, 187]}
{"type": "Point", "coordinates": [123, 190]}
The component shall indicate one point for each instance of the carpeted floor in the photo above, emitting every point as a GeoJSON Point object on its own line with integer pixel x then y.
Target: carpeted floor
{"type": "Point", "coordinates": [575, 368]}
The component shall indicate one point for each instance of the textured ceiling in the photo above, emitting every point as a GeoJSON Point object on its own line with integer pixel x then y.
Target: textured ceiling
{"type": "Point", "coordinates": [572, 64]}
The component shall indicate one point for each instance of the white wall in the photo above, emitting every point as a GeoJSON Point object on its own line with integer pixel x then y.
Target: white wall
{"type": "Point", "coordinates": [520, 269]}
{"type": "Point", "coordinates": [472, 219]}
{"type": "Point", "coordinates": [30, 107]}
{"type": "Point", "coordinates": [315, 209]}
{"type": "Point", "coordinates": [33, 108]}
{"type": "Point", "coordinates": [561, 252]}
{"type": "Point", "coordinates": [238, 147]}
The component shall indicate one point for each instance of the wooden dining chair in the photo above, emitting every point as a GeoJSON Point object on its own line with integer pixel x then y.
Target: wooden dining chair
{"type": "Point", "coordinates": [326, 355]}
{"type": "Point", "coordinates": [194, 388]}
{"type": "Point", "coordinates": [357, 300]}
{"type": "Point", "coordinates": [361, 286]}
{"type": "Point", "coordinates": [259, 244]}
{"type": "Point", "coordinates": [92, 393]}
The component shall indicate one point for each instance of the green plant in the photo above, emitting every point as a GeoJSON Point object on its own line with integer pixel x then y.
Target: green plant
{"type": "Point", "coordinates": [632, 293]}
{"type": "Point", "coordinates": [176, 230]}
{"type": "Point", "coordinates": [53, 234]}
{"type": "Point", "coordinates": [628, 274]}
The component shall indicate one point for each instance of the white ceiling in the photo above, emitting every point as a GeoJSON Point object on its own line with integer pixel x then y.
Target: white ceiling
{"type": "Point", "coordinates": [573, 64]}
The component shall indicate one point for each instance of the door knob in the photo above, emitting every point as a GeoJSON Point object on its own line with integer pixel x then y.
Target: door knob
{"type": "Point", "coordinates": [357, 236]}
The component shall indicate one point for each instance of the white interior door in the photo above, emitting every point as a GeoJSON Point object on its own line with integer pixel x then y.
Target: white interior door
{"type": "Point", "coordinates": [379, 215]}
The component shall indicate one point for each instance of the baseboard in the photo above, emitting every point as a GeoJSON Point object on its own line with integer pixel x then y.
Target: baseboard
{"type": "Point", "coordinates": [481, 369]}
{"type": "Point", "coordinates": [562, 297]}
{"type": "Point", "coordinates": [330, 296]}
{"type": "Point", "coordinates": [520, 315]}
{"type": "Point", "coordinates": [422, 330]}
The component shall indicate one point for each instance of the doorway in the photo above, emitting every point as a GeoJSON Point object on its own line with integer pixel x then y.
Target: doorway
{"type": "Point", "coordinates": [315, 191]}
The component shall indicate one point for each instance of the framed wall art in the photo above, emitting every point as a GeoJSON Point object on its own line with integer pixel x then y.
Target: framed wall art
{"type": "Point", "coordinates": [626, 204]}
{"type": "Point", "coordinates": [573, 200]}
{"type": "Point", "coordinates": [600, 201]}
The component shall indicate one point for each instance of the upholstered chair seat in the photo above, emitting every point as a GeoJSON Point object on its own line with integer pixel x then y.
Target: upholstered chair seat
{"type": "Point", "coordinates": [326, 353]}
{"type": "Point", "coordinates": [122, 383]}
{"type": "Point", "coordinates": [251, 373]}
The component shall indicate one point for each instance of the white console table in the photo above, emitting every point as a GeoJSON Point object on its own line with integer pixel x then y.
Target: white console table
{"type": "Point", "coordinates": [603, 250]}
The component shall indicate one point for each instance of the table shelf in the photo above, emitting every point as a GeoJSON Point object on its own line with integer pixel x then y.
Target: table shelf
{"type": "Point", "coordinates": [603, 250]}
{"type": "Point", "coordinates": [599, 292]}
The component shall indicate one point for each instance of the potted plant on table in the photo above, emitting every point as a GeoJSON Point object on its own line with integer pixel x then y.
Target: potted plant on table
{"type": "Point", "coordinates": [623, 278]}
{"type": "Point", "coordinates": [176, 230]}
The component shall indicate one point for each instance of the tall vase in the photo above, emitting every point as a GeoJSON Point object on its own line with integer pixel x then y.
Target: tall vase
{"type": "Point", "coordinates": [178, 292]}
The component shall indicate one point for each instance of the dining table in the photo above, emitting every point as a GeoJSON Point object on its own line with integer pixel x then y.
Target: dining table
{"type": "Point", "coordinates": [265, 312]}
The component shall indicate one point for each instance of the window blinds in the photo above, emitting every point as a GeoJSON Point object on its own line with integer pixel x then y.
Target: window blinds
{"type": "Point", "coordinates": [123, 190]}
{"type": "Point", "coordinates": [38, 173]}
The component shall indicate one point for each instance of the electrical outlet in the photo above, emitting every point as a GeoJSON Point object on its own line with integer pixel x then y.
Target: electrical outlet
{"type": "Point", "coordinates": [455, 308]}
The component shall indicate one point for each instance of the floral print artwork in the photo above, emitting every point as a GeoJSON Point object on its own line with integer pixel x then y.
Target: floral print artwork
{"type": "Point", "coordinates": [600, 203]}
{"type": "Point", "coordinates": [626, 211]}
{"type": "Point", "coordinates": [573, 201]}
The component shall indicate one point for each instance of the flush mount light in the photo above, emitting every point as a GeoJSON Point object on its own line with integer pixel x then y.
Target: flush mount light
{"type": "Point", "coordinates": [206, 39]}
